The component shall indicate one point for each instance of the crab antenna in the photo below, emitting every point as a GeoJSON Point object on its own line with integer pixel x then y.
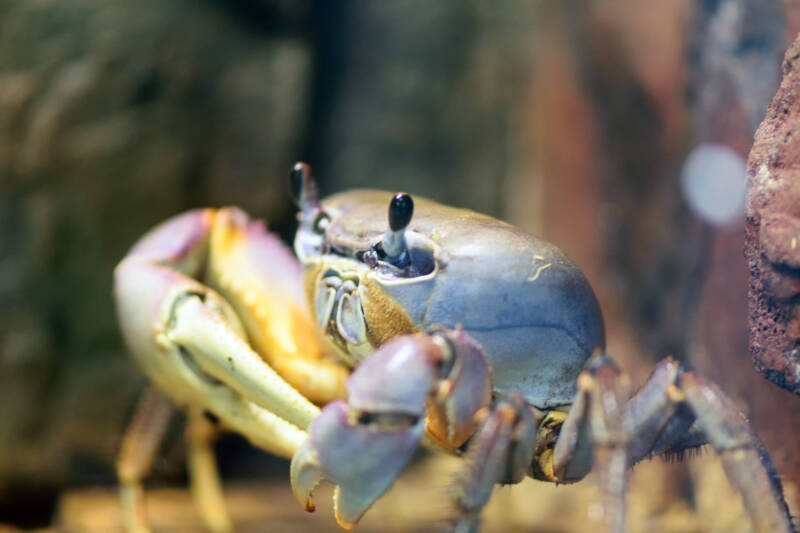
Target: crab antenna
{"type": "Point", "coordinates": [401, 208]}
{"type": "Point", "coordinates": [303, 188]}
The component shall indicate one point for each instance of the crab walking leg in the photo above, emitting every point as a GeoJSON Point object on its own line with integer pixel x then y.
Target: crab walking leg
{"type": "Point", "coordinates": [139, 447]}
{"type": "Point", "coordinates": [596, 434]}
{"type": "Point", "coordinates": [677, 410]}
{"type": "Point", "coordinates": [609, 391]}
{"type": "Point", "coordinates": [656, 422]}
{"type": "Point", "coordinates": [223, 354]}
{"type": "Point", "coordinates": [743, 456]}
{"type": "Point", "coordinates": [203, 475]}
{"type": "Point", "coordinates": [673, 411]}
{"type": "Point", "coordinates": [501, 452]}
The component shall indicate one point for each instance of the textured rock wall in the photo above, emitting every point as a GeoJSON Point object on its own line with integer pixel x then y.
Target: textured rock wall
{"type": "Point", "coordinates": [773, 233]}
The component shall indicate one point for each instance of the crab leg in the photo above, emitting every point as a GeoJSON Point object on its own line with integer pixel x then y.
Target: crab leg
{"type": "Point", "coordinates": [501, 452]}
{"type": "Point", "coordinates": [597, 433]}
{"type": "Point", "coordinates": [139, 447]}
{"type": "Point", "coordinates": [203, 474]}
{"type": "Point", "coordinates": [744, 459]}
{"type": "Point", "coordinates": [692, 411]}
{"type": "Point", "coordinates": [675, 410]}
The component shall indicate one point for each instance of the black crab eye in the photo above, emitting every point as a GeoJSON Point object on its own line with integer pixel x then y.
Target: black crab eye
{"type": "Point", "coordinates": [320, 223]}
{"type": "Point", "coordinates": [401, 209]}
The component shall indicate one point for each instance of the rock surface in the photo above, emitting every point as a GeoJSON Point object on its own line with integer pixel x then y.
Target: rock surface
{"type": "Point", "coordinates": [772, 243]}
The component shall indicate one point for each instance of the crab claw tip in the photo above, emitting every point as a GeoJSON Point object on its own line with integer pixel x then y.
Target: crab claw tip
{"type": "Point", "coordinates": [346, 512]}
{"type": "Point", "coordinates": [305, 474]}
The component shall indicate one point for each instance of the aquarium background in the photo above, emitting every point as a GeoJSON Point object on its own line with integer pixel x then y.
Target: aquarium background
{"type": "Point", "coordinates": [574, 120]}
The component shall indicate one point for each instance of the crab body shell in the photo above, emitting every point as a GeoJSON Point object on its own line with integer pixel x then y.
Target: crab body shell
{"type": "Point", "coordinates": [521, 298]}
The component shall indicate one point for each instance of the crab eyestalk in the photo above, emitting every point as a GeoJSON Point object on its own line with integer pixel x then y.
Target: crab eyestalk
{"type": "Point", "coordinates": [394, 245]}
{"type": "Point", "coordinates": [304, 192]}
{"type": "Point", "coordinates": [313, 219]}
{"type": "Point", "coordinates": [303, 188]}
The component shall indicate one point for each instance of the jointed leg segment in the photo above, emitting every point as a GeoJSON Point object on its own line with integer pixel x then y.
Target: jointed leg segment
{"type": "Point", "coordinates": [501, 452]}
{"type": "Point", "coordinates": [746, 463]}
{"type": "Point", "coordinates": [608, 432]}
{"type": "Point", "coordinates": [139, 447]}
{"type": "Point", "coordinates": [204, 478]}
{"type": "Point", "coordinates": [597, 434]}
{"type": "Point", "coordinates": [675, 410]}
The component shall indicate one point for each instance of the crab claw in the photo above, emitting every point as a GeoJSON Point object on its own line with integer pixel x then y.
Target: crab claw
{"type": "Point", "coordinates": [464, 388]}
{"type": "Point", "coordinates": [363, 446]}
{"type": "Point", "coordinates": [361, 458]}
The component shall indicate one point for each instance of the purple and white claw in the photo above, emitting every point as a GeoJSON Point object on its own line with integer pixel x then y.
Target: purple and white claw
{"type": "Point", "coordinates": [463, 391]}
{"type": "Point", "coordinates": [361, 458]}
{"type": "Point", "coordinates": [396, 379]}
{"type": "Point", "coordinates": [362, 446]}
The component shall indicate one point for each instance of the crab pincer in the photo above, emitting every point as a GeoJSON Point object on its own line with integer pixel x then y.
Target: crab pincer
{"type": "Point", "coordinates": [363, 444]}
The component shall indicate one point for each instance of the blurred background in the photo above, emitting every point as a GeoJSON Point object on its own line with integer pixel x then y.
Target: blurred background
{"type": "Point", "coordinates": [617, 129]}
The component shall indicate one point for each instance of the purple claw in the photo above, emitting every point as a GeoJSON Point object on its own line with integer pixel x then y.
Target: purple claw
{"type": "Point", "coordinates": [398, 378]}
{"type": "Point", "coordinates": [362, 457]}
{"type": "Point", "coordinates": [176, 239]}
{"type": "Point", "coordinates": [363, 445]}
{"type": "Point", "coordinates": [465, 390]}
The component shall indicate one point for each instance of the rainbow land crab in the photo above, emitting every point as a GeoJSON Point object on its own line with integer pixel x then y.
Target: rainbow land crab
{"type": "Point", "coordinates": [448, 328]}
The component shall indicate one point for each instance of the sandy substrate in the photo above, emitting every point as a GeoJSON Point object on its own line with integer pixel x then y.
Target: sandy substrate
{"type": "Point", "coordinates": [662, 498]}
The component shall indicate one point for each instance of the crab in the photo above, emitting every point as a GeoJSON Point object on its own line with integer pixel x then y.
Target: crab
{"type": "Point", "coordinates": [445, 328]}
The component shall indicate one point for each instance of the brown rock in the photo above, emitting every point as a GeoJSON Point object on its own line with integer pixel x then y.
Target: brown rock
{"type": "Point", "coordinates": [779, 238]}
{"type": "Point", "coordinates": [773, 230]}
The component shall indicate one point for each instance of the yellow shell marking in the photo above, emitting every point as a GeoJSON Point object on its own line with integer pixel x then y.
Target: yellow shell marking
{"type": "Point", "coordinates": [279, 328]}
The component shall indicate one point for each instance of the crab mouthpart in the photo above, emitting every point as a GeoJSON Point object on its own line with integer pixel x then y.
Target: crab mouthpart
{"type": "Point", "coordinates": [341, 316]}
